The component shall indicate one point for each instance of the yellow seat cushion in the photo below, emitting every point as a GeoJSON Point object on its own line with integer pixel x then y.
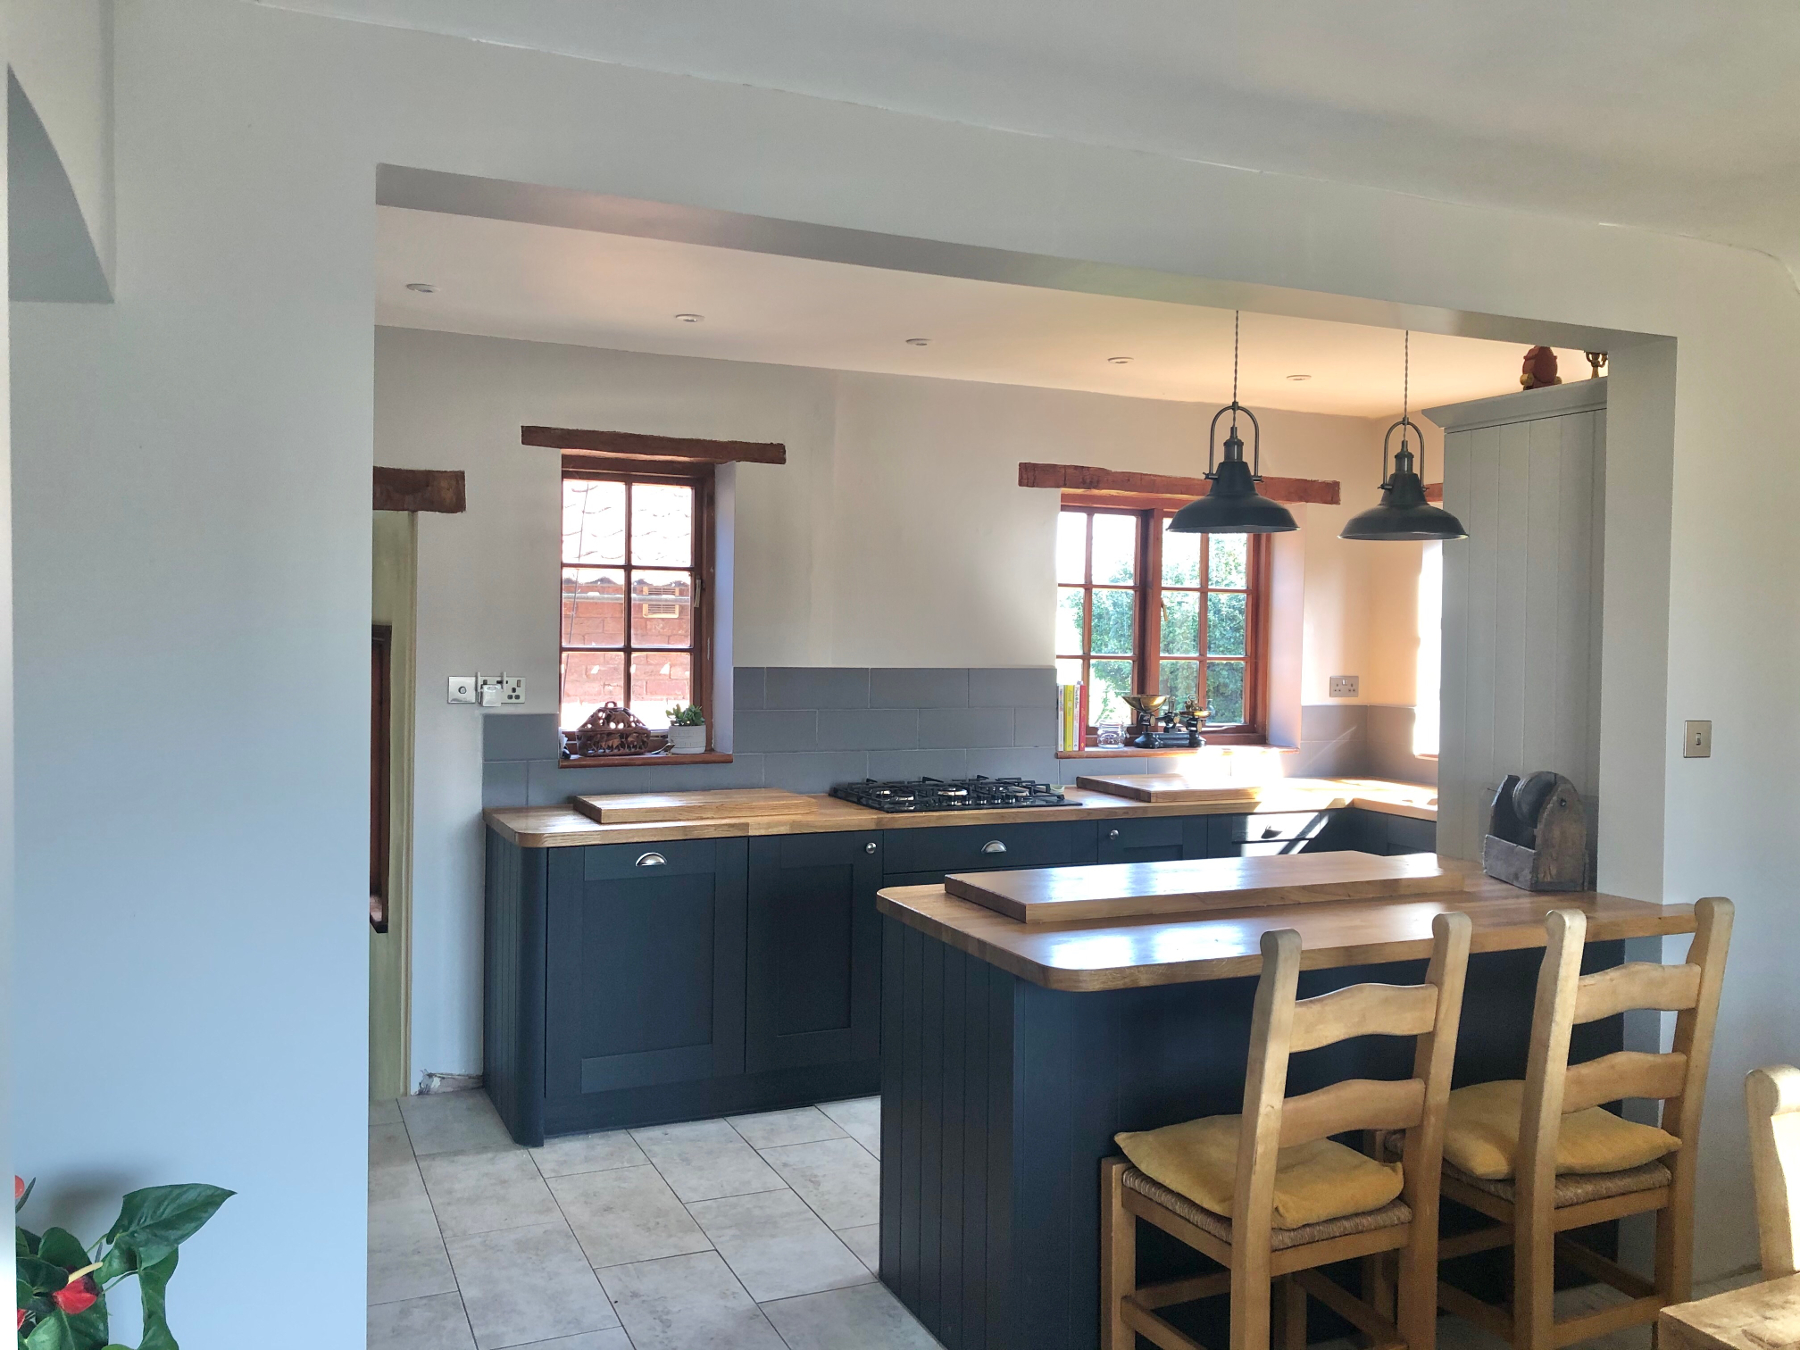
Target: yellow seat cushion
{"type": "Point", "coordinates": [1481, 1135]}
{"type": "Point", "coordinates": [1314, 1182]}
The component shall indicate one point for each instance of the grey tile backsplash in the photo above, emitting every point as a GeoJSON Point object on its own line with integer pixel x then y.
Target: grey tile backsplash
{"type": "Point", "coordinates": [805, 728]}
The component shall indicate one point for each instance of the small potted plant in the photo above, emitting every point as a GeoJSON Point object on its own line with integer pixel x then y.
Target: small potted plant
{"type": "Point", "coordinates": [63, 1283]}
{"type": "Point", "coordinates": [687, 730]}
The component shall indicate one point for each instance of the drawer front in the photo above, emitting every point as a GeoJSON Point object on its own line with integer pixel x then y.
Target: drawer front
{"type": "Point", "coordinates": [1407, 835]}
{"type": "Point", "coordinates": [973, 848]}
{"type": "Point", "coordinates": [1277, 826]}
{"type": "Point", "coordinates": [1151, 839]}
{"type": "Point", "coordinates": [663, 858]}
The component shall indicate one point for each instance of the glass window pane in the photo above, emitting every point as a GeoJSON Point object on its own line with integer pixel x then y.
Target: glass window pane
{"type": "Point", "coordinates": [1229, 560]}
{"type": "Point", "coordinates": [1115, 550]}
{"type": "Point", "coordinates": [1112, 626]}
{"type": "Point", "coordinates": [1068, 672]}
{"type": "Point", "coordinates": [1181, 623]}
{"type": "Point", "coordinates": [593, 607]}
{"type": "Point", "coordinates": [1106, 681]}
{"type": "Point", "coordinates": [662, 609]}
{"type": "Point", "coordinates": [1225, 692]}
{"type": "Point", "coordinates": [1071, 547]}
{"type": "Point", "coordinates": [1225, 623]}
{"type": "Point", "coordinates": [660, 680]}
{"type": "Point", "coordinates": [1181, 558]}
{"type": "Point", "coordinates": [1180, 680]}
{"type": "Point", "coordinates": [1068, 622]}
{"type": "Point", "coordinates": [593, 521]}
{"type": "Point", "coordinates": [662, 525]}
{"type": "Point", "coordinates": [590, 679]}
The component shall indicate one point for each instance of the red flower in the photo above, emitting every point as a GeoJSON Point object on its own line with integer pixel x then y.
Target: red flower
{"type": "Point", "coordinates": [21, 1325]}
{"type": "Point", "coordinates": [77, 1296]}
{"type": "Point", "coordinates": [18, 1187]}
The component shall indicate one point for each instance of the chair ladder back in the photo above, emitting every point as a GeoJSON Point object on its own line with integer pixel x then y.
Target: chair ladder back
{"type": "Point", "coordinates": [1637, 984]}
{"type": "Point", "coordinates": [1363, 1010]}
{"type": "Point", "coordinates": [1772, 1096]}
{"type": "Point", "coordinates": [1694, 1029]}
{"type": "Point", "coordinates": [1259, 1138]}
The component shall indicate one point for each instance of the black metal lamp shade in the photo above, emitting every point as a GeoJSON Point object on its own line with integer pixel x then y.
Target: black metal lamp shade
{"type": "Point", "coordinates": [1403, 513]}
{"type": "Point", "coordinates": [1233, 505]}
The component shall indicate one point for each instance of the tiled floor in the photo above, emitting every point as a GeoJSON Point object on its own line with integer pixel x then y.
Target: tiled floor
{"type": "Point", "coordinates": [754, 1233]}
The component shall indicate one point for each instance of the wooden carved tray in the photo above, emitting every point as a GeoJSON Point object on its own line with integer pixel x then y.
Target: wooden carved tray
{"type": "Point", "coordinates": [1135, 890]}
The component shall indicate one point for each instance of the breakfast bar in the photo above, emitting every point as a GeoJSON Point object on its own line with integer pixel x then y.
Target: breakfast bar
{"type": "Point", "coordinates": [1012, 1050]}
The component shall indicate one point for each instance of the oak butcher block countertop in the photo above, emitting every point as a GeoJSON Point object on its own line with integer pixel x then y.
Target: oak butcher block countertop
{"type": "Point", "coordinates": [565, 827]}
{"type": "Point", "coordinates": [1123, 954]}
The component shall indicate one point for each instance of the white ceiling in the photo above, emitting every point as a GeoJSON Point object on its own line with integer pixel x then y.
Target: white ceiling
{"type": "Point", "coordinates": [1665, 114]}
{"type": "Point", "coordinates": [550, 284]}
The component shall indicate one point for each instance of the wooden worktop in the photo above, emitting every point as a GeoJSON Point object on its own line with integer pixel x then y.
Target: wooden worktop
{"type": "Point", "coordinates": [565, 827]}
{"type": "Point", "coordinates": [1122, 954]}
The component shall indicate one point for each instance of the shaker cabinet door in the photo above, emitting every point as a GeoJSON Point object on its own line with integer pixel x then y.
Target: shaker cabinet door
{"type": "Point", "coordinates": [644, 965]}
{"type": "Point", "coordinates": [813, 991]}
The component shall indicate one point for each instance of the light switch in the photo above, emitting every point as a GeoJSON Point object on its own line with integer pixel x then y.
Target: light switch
{"type": "Point", "coordinates": [462, 689]}
{"type": "Point", "coordinates": [1344, 686]}
{"type": "Point", "coordinates": [1696, 740]}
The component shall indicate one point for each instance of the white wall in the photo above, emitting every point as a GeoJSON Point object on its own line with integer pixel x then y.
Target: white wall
{"type": "Point", "coordinates": [191, 774]}
{"type": "Point", "coordinates": [61, 53]}
{"type": "Point", "coordinates": [895, 535]}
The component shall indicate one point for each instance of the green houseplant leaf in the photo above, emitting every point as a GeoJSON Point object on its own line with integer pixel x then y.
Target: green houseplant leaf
{"type": "Point", "coordinates": [44, 1277]}
{"type": "Point", "coordinates": [156, 1220]}
{"type": "Point", "coordinates": [155, 1283]}
{"type": "Point", "coordinates": [62, 1248]}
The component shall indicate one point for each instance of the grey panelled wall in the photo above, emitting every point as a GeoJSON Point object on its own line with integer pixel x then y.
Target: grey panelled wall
{"type": "Point", "coordinates": [1521, 645]}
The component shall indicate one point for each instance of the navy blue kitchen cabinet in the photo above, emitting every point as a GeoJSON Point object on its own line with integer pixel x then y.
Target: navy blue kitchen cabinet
{"type": "Point", "coordinates": [813, 990]}
{"type": "Point", "coordinates": [632, 984]}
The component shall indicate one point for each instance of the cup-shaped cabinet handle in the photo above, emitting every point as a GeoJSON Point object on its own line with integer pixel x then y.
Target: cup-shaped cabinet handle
{"type": "Point", "coordinates": [652, 860]}
{"type": "Point", "coordinates": [993, 846]}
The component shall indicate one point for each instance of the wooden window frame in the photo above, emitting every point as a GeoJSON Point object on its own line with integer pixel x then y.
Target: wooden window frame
{"type": "Point", "coordinates": [698, 476]}
{"type": "Point", "coordinates": [1146, 657]}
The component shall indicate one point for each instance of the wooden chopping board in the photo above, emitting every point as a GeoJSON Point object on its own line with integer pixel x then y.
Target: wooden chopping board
{"type": "Point", "coordinates": [1135, 890]}
{"type": "Point", "coordinates": [638, 807]}
{"type": "Point", "coordinates": [1168, 787]}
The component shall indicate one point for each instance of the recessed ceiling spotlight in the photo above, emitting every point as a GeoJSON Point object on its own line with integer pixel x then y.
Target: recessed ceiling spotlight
{"type": "Point", "coordinates": [1299, 379]}
{"type": "Point", "coordinates": [422, 287]}
{"type": "Point", "coordinates": [691, 318]}
{"type": "Point", "coordinates": [918, 342]}
{"type": "Point", "coordinates": [1118, 360]}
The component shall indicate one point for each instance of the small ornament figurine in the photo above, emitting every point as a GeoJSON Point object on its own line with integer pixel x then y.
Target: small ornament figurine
{"type": "Point", "coordinates": [1540, 369]}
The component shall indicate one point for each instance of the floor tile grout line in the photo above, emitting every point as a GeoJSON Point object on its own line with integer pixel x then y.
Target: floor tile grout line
{"type": "Point", "coordinates": [592, 1268]}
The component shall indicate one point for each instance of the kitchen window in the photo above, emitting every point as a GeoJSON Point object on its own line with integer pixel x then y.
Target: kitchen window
{"type": "Point", "coordinates": [1141, 610]}
{"type": "Point", "coordinates": [636, 620]}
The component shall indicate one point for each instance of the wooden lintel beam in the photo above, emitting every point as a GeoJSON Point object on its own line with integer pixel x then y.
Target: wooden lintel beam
{"type": "Point", "coordinates": [1434, 492]}
{"type": "Point", "coordinates": [438, 490]}
{"type": "Point", "coordinates": [1122, 483]}
{"type": "Point", "coordinates": [634, 445]}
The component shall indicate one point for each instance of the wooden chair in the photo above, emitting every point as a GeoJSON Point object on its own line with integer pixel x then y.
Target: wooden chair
{"type": "Point", "coordinates": [1254, 1252]}
{"type": "Point", "coordinates": [1772, 1096]}
{"type": "Point", "coordinates": [1537, 1207]}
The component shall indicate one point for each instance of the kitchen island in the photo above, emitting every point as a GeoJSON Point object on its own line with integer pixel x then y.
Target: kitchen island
{"type": "Point", "coordinates": [1012, 1052]}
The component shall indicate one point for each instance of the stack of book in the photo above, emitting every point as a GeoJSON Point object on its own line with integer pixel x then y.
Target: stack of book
{"type": "Point", "coordinates": [1069, 729]}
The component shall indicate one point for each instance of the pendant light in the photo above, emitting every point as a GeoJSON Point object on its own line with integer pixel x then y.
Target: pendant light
{"type": "Point", "coordinates": [1233, 505]}
{"type": "Point", "coordinates": [1403, 513]}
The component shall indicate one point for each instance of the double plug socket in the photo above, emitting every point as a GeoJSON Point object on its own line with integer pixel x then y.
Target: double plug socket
{"type": "Point", "coordinates": [488, 691]}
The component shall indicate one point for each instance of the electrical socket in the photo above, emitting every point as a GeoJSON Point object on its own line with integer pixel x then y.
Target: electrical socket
{"type": "Point", "coordinates": [462, 689]}
{"type": "Point", "coordinates": [512, 690]}
{"type": "Point", "coordinates": [1344, 686]}
{"type": "Point", "coordinates": [1696, 740]}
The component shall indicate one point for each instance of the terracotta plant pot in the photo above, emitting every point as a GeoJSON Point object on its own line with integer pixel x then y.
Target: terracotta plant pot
{"type": "Point", "coordinates": [687, 740]}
